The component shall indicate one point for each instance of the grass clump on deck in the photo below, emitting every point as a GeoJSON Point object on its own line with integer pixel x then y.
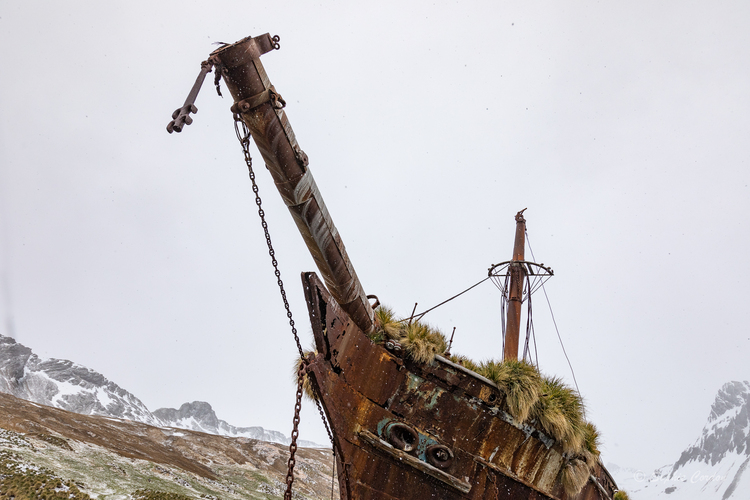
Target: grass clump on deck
{"type": "Point", "coordinates": [462, 360]}
{"type": "Point", "coordinates": [559, 412]}
{"type": "Point", "coordinates": [546, 402]}
{"type": "Point", "coordinates": [591, 442]}
{"type": "Point", "coordinates": [386, 325]}
{"type": "Point", "coordinates": [550, 405]}
{"type": "Point", "coordinates": [520, 382]}
{"type": "Point", "coordinates": [574, 475]}
{"type": "Point", "coordinates": [419, 340]}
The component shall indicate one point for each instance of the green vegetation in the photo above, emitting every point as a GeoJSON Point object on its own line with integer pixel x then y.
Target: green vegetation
{"type": "Point", "coordinates": [462, 360]}
{"type": "Point", "coordinates": [386, 325]}
{"type": "Point", "coordinates": [519, 381]}
{"type": "Point", "coordinates": [21, 482]}
{"type": "Point", "coordinates": [47, 466]}
{"type": "Point", "coordinates": [54, 440]}
{"type": "Point", "coordinates": [158, 495]}
{"type": "Point", "coordinates": [559, 412]}
{"type": "Point", "coordinates": [574, 475]}
{"type": "Point", "coordinates": [419, 340]}
{"type": "Point", "coordinates": [621, 495]}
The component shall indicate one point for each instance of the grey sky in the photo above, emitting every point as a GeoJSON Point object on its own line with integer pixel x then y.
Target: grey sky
{"type": "Point", "coordinates": [622, 126]}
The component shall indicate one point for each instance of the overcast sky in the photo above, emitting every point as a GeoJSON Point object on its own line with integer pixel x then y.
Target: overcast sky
{"type": "Point", "coordinates": [622, 126]}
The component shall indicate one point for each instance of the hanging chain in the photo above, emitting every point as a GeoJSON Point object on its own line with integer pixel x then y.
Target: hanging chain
{"type": "Point", "coordinates": [244, 138]}
{"type": "Point", "coordinates": [493, 480]}
{"type": "Point", "coordinates": [325, 421]}
{"type": "Point", "coordinates": [243, 135]}
{"type": "Point", "coordinates": [295, 434]}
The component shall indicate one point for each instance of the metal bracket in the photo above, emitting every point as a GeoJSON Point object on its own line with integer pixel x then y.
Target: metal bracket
{"type": "Point", "coordinates": [181, 116]}
{"type": "Point", "coordinates": [252, 102]}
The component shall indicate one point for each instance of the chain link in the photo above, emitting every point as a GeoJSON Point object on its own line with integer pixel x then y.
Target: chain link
{"type": "Point", "coordinates": [243, 135]}
{"type": "Point", "coordinates": [244, 138]}
{"type": "Point", "coordinates": [295, 434]}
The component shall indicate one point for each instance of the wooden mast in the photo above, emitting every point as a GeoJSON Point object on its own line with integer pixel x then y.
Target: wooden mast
{"type": "Point", "coordinates": [515, 292]}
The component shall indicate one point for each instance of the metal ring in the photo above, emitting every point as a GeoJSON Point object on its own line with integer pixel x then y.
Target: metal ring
{"type": "Point", "coordinates": [440, 456]}
{"type": "Point", "coordinates": [402, 437]}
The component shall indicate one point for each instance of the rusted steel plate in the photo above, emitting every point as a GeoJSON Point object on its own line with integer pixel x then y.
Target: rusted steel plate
{"type": "Point", "coordinates": [368, 392]}
{"type": "Point", "coordinates": [337, 337]}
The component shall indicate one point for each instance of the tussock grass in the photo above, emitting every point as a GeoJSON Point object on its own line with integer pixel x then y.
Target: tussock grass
{"type": "Point", "coordinates": [158, 495]}
{"type": "Point", "coordinates": [421, 342]}
{"type": "Point", "coordinates": [559, 412]}
{"type": "Point", "coordinates": [591, 443]}
{"type": "Point", "coordinates": [574, 475]}
{"type": "Point", "coordinates": [553, 406]}
{"type": "Point", "coordinates": [520, 382]}
{"type": "Point", "coordinates": [307, 388]}
{"type": "Point", "coordinates": [20, 482]}
{"type": "Point", "coordinates": [620, 495]}
{"type": "Point", "coordinates": [386, 325]}
{"type": "Point", "coordinates": [465, 362]}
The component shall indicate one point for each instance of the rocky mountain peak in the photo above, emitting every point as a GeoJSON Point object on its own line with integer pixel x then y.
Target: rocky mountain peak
{"type": "Point", "coordinates": [200, 412]}
{"type": "Point", "coordinates": [715, 467]}
{"type": "Point", "coordinates": [727, 430]}
{"type": "Point", "coordinates": [63, 384]}
{"type": "Point", "coordinates": [732, 395]}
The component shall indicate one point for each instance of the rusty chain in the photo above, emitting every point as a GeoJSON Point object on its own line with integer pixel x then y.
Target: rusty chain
{"type": "Point", "coordinates": [295, 434]}
{"type": "Point", "coordinates": [243, 135]}
{"type": "Point", "coordinates": [244, 138]}
{"type": "Point", "coordinates": [493, 480]}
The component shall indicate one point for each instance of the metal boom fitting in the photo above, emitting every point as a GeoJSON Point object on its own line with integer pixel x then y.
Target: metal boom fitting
{"type": "Point", "coordinates": [261, 109]}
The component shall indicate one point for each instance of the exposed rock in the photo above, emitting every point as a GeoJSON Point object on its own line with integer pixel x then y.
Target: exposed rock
{"type": "Point", "coordinates": [113, 458]}
{"type": "Point", "coordinates": [64, 384]}
{"type": "Point", "coordinates": [714, 467]}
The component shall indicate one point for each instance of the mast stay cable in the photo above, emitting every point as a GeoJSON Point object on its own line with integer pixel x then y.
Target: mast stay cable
{"type": "Point", "coordinates": [528, 242]}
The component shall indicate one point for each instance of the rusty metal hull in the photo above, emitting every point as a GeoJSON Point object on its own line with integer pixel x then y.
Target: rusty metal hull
{"type": "Point", "coordinates": [367, 392]}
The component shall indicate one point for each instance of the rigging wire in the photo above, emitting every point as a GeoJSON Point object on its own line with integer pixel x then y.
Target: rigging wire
{"type": "Point", "coordinates": [503, 306]}
{"type": "Point", "coordinates": [555, 322]}
{"type": "Point", "coordinates": [420, 315]}
{"type": "Point", "coordinates": [530, 332]}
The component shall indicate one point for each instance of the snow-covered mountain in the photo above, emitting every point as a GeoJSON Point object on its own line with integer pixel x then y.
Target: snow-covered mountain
{"type": "Point", "coordinates": [63, 384]}
{"type": "Point", "coordinates": [199, 416]}
{"type": "Point", "coordinates": [715, 467]}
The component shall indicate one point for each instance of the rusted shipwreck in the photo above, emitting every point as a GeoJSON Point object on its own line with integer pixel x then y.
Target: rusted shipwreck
{"type": "Point", "coordinates": [401, 429]}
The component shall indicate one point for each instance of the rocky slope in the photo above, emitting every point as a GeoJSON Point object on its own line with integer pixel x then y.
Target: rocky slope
{"type": "Point", "coordinates": [715, 467]}
{"type": "Point", "coordinates": [53, 453]}
{"type": "Point", "coordinates": [69, 386]}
